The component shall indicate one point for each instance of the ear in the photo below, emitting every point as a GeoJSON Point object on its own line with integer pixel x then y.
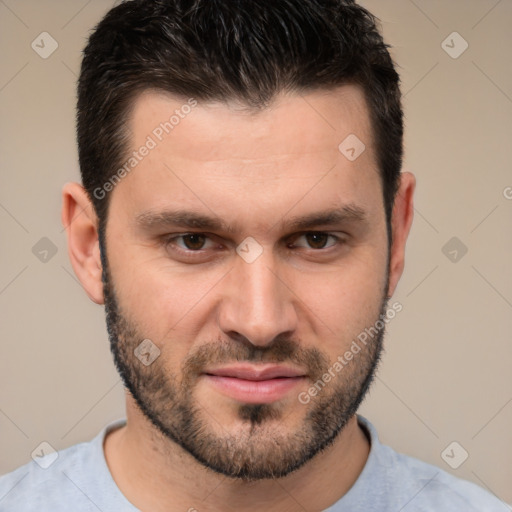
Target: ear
{"type": "Point", "coordinates": [81, 224]}
{"type": "Point", "coordinates": [403, 212]}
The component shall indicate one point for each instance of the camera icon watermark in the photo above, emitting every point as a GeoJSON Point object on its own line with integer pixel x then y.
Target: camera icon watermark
{"type": "Point", "coordinates": [454, 45]}
{"type": "Point", "coordinates": [454, 249]}
{"type": "Point", "coordinates": [146, 352]}
{"type": "Point", "coordinates": [44, 45]}
{"type": "Point", "coordinates": [44, 250]}
{"type": "Point", "coordinates": [44, 455]}
{"type": "Point", "coordinates": [454, 455]}
{"type": "Point", "coordinates": [249, 250]}
{"type": "Point", "coordinates": [351, 147]}
{"type": "Point", "coordinates": [507, 193]}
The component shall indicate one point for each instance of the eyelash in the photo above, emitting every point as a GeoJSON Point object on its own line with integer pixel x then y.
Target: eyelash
{"type": "Point", "coordinates": [169, 240]}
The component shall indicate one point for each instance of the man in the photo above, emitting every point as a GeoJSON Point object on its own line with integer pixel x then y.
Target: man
{"type": "Point", "coordinates": [243, 218]}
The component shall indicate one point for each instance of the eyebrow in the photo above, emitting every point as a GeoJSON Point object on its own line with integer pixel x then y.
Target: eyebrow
{"type": "Point", "coordinates": [347, 213]}
{"type": "Point", "coordinates": [189, 219]}
{"type": "Point", "coordinates": [180, 218]}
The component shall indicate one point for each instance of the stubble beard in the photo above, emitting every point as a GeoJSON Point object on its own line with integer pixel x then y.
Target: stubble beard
{"type": "Point", "coordinates": [262, 448]}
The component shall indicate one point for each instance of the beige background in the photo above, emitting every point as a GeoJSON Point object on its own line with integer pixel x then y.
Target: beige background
{"type": "Point", "coordinates": [446, 374]}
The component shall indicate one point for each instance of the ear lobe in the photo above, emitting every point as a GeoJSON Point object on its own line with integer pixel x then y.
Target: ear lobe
{"type": "Point", "coordinates": [403, 213]}
{"type": "Point", "coordinates": [81, 223]}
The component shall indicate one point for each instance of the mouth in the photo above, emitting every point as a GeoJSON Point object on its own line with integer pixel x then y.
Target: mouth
{"type": "Point", "coordinates": [255, 384]}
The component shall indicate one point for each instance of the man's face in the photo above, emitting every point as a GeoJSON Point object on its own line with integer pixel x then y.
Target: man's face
{"type": "Point", "coordinates": [311, 277]}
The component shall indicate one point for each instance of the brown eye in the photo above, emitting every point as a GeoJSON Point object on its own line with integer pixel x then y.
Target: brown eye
{"type": "Point", "coordinates": [192, 247]}
{"type": "Point", "coordinates": [194, 241]}
{"type": "Point", "coordinates": [317, 240]}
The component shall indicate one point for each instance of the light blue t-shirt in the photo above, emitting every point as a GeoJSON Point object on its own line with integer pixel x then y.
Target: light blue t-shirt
{"type": "Point", "coordinates": [79, 480]}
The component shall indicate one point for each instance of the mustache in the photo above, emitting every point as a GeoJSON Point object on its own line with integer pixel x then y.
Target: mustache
{"type": "Point", "coordinates": [281, 350]}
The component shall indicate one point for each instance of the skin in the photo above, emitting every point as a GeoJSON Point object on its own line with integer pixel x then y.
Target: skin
{"type": "Point", "coordinates": [255, 171]}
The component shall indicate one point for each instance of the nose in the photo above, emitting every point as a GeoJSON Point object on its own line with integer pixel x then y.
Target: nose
{"type": "Point", "coordinates": [257, 303]}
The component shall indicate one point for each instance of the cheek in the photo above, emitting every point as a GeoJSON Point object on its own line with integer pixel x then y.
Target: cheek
{"type": "Point", "coordinates": [343, 302]}
{"type": "Point", "coordinates": [166, 305]}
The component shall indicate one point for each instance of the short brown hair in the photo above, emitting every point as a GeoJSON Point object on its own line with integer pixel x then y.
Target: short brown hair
{"type": "Point", "coordinates": [247, 50]}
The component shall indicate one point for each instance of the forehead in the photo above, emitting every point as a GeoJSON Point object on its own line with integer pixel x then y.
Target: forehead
{"type": "Point", "coordinates": [224, 158]}
{"type": "Point", "coordinates": [292, 124]}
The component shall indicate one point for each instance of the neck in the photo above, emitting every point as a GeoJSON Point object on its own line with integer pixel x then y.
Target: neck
{"type": "Point", "coordinates": [156, 474]}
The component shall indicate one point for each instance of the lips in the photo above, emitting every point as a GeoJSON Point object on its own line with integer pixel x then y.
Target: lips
{"type": "Point", "coordinates": [256, 373]}
{"type": "Point", "coordinates": [255, 384]}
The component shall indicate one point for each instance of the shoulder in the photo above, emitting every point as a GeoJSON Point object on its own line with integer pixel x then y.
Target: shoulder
{"type": "Point", "coordinates": [36, 483]}
{"type": "Point", "coordinates": [76, 478]}
{"type": "Point", "coordinates": [414, 485]}
{"type": "Point", "coordinates": [427, 487]}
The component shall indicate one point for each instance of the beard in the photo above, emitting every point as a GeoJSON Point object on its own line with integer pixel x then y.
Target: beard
{"type": "Point", "coordinates": [260, 448]}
